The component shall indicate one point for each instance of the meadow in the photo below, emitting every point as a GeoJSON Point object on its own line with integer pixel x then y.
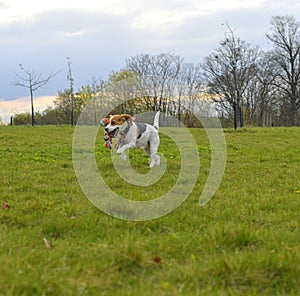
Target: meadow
{"type": "Point", "coordinates": [245, 241]}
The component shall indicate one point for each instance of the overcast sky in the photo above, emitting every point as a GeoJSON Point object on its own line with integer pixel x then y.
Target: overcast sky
{"type": "Point", "coordinates": [100, 35]}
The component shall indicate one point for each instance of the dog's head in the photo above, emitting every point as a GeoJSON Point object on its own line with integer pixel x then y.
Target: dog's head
{"type": "Point", "coordinates": [117, 123]}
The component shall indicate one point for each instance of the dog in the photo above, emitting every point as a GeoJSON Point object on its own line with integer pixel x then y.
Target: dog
{"type": "Point", "coordinates": [131, 134]}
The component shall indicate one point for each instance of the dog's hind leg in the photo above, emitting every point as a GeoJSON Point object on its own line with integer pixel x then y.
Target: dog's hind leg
{"type": "Point", "coordinates": [154, 157]}
{"type": "Point", "coordinates": [147, 149]}
{"type": "Point", "coordinates": [151, 154]}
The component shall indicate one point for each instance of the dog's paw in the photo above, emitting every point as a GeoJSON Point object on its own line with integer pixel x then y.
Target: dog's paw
{"type": "Point", "coordinates": [157, 160]}
{"type": "Point", "coordinates": [152, 164]}
{"type": "Point", "coordinates": [123, 156]}
{"type": "Point", "coordinates": [154, 161]}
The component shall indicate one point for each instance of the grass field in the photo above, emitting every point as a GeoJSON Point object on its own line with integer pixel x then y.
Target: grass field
{"type": "Point", "coordinates": [245, 241]}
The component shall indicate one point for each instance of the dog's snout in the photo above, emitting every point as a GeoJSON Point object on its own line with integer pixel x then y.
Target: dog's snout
{"type": "Point", "coordinates": [106, 129]}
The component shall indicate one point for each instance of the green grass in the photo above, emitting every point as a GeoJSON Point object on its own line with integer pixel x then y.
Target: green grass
{"type": "Point", "coordinates": [245, 241]}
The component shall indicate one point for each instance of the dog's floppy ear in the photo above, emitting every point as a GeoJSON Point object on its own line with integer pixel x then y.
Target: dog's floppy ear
{"type": "Point", "coordinates": [126, 116]}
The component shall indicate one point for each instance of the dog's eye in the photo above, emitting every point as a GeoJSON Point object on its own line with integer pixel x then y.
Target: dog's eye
{"type": "Point", "coordinates": [113, 122]}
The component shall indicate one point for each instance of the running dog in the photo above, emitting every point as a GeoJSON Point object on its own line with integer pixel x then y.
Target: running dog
{"type": "Point", "coordinates": [132, 134]}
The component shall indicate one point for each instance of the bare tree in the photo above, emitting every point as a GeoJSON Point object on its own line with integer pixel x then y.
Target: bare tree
{"type": "Point", "coordinates": [96, 89]}
{"type": "Point", "coordinates": [71, 90]}
{"type": "Point", "coordinates": [90, 96]}
{"type": "Point", "coordinates": [264, 93]}
{"type": "Point", "coordinates": [228, 72]}
{"type": "Point", "coordinates": [285, 36]}
{"type": "Point", "coordinates": [158, 70]}
{"type": "Point", "coordinates": [121, 91]}
{"type": "Point", "coordinates": [33, 81]}
{"type": "Point", "coordinates": [163, 82]}
{"type": "Point", "coordinates": [189, 88]}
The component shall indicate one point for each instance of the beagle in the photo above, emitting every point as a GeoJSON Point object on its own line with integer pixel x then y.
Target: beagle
{"type": "Point", "coordinates": [135, 135]}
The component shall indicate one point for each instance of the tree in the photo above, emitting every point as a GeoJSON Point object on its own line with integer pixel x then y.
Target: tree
{"type": "Point", "coordinates": [285, 36]}
{"type": "Point", "coordinates": [48, 116]}
{"type": "Point", "coordinates": [71, 91]}
{"type": "Point", "coordinates": [188, 87]}
{"type": "Point", "coordinates": [22, 118]}
{"type": "Point", "coordinates": [122, 91]}
{"type": "Point", "coordinates": [263, 95]}
{"type": "Point", "coordinates": [228, 71]}
{"type": "Point", "coordinates": [160, 82]}
{"type": "Point", "coordinates": [92, 93]}
{"type": "Point", "coordinates": [33, 81]}
{"type": "Point", "coordinates": [159, 72]}
{"type": "Point", "coordinates": [68, 106]}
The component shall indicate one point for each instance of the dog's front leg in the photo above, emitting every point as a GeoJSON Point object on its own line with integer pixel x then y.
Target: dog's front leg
{"type": "Point", "coordinates": [123, 156]}
{"type": "Point", "coordinates": [121, 150]}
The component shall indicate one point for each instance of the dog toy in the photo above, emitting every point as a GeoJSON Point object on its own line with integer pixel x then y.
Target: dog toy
{"type": "Point", "coordinates": [108, 140]}
{"type": "Point", "coordinates": [107, 137]}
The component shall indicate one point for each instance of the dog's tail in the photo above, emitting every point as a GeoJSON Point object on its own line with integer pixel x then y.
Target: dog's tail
{"type": "Point", "coordinates": [156, 120]}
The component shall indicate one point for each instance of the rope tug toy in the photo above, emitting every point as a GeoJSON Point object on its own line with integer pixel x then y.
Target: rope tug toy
{"type": "Point", "coordinates": [107, 137]}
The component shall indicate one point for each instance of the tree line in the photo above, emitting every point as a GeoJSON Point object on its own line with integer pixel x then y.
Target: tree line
{"type": "Point", "coordinates": [244, 84]}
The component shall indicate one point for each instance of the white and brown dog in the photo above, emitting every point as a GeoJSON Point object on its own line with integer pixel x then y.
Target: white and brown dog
{"type": "Point", "coordinates": [135, 135]}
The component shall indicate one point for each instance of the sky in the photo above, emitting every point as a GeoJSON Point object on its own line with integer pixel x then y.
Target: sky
{"type": "Point", "coordinates": [98, 37]}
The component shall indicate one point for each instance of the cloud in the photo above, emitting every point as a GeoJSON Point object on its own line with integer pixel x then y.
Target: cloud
{"type": "Point", "coordinates": [99, 38]}
{"type": "Point", "coordinates": [96, 43]}
{"type": "Point", "coordinates": [20, 105]}
{"type": "Point", "coordinates": [3, 5]}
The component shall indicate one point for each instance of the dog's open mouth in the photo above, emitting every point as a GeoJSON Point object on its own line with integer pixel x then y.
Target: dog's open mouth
{"type": "Point", "coordinates": [114, 133]}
